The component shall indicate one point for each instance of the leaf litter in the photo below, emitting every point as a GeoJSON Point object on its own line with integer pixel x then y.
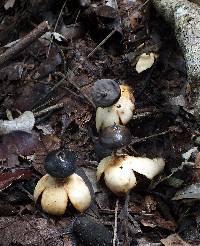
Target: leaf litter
{"type": "Point", "coordinates": [52, 78]}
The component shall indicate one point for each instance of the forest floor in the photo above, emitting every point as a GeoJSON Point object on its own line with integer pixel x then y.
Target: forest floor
{"type": "Point", "coordinates": [52, 75]}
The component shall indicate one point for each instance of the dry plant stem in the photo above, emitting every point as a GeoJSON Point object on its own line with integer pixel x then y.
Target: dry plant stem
{"type": "Point", "coordinates": [184, 18]}
{"type": "Point", "coordinates": [102, 42]}
{"type": "Point", "coordinates": [24, 42]}
{"type": "Point", "coordinates": [173, 171]}
{"type": "Point", "coordinates": [56, 27]}
{"type": "Point", "coordinates": [50, 91]}
{"type": "Point", "coordinates": [46, 110]}
{"type": "Point", "coordinates": [172, 129]}
{"type": "Point", "coordinates": [115, 226]}
{"type": "Point", "coordinates": [68, 79]}
{"type": "Point", "coordinates": [74, 26]}
{"type": "Point", "coordinates": [145, 115]}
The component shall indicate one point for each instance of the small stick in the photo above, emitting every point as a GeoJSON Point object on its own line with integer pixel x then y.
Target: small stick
{"type": "Point", "coordinates": [46, 110]}
{"type": "Point", "coordinates": [102, 42]}
{"type": "Point", "coordinates": [57, 21]}
{"type": "Point", "coordinates": [115, 227]}
{"type": "Point", "coordinates": [145, 115]}
{"type": "Point", "coordinates": [171, 129]}
{"type": "Point", "coordinates": [74, 26]}
{"type": "Point", "coordinates": [24, 42]}
{"type": "Point", "coordinates": [77, 87]}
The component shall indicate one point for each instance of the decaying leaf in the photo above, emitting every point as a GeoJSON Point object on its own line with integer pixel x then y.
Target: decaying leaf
{"type": "Point", "coordinates": [189, 192]}
{"type": "Point", "coordinates": [17, 143]}
{"type": "Point", "coordinates": [24, 122]}
{"type": "Point", "coordinates": [174, 239]}
{"type": "Point", "coordinates": [155, 220]}
{"type": "Point", "coordinates": [12, 72]}
{"type": "Point", "coordinates": [7, 178]}
{"type": "Point", "coordinates": [145, 61]}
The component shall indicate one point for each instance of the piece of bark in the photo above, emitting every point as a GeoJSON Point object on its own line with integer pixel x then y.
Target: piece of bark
{"type": "Point", "coordinates": [184, 18]}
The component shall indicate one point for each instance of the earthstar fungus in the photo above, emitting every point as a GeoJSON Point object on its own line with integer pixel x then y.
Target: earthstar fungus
{"type": "Point", "coordinates": [61, 184]}
{"type": "Point", "coordinates": [119, 171]}
{"type": "Point", "coordinates": [120, 113]}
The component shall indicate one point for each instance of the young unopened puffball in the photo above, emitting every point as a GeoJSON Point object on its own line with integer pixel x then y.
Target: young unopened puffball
{"type": "Point", "coordinates": [115, 137]}
{"type": "Point", "coordinates": [119, 113]}
{"type": "Point", "coordinates": [119, 171]}
{"type": "Point", "coordinates": [61, 184]}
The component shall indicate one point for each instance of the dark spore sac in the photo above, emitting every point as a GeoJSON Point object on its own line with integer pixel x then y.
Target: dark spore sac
{"type": "Point", "coordinates": [60, 163]}
{"type": "Point", "coordinates": [91, 233]}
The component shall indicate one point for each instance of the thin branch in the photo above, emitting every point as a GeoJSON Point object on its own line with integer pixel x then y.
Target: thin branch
{"type": "Point", "coordinates": [74, 25]}
{"type": "Point", "coordinates": [102, 42]}
{"type": "Point", "coordinates": [115, 227]}
{"type": "Point", "coordinates": [77, 87]}
{"type": "Point", "coordinates": [50, 108]}
{"type": "Point", "coordinates": [139, 140]}
{"type": "Point", "coordinates": [24, 42]}
{"type": "Point", "coordinates": [56, 27]}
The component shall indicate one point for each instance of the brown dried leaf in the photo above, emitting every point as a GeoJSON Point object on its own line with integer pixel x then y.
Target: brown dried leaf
{"type": "Point", "coordinates": [155, 220]}
{"type": "Point", "coordinates": [174, 240]}
{"type": "Point", "coordinates": [197, 161]}
{"type": "Point", "coordinates": [133, 18]}
{"type": "Point", "coordinates": [17, 143]}
{"type": "Point", "coordinates": [27, 95]}
{"type": "Point", "coordinates": [6, 179]}
{"type": "Point", "coordinates": [150, 203]}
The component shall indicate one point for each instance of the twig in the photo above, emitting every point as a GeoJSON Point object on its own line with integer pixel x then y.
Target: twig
{"type": "Point", "coordinates": [171, 129]}
{"type": "Point", "coordinates": [173, 171]}
{"type": "Point", "coordinates": [24, 42]}
{"type": "Point", "coordinates": [145, 114]}
{"type": "Point", "coordinates": [115, 227]}
{"type": "Point", "coordinates": [51, 40]}
{"type": "Point", "coordinates": [48, 94]}
{"type": "Point", "coordinates": [142, 6]}
{"type": "Point", "coordinates": [68, 79]}
{"type": "Point", "coordinates": [74, 25]}
{"type": "Point", "coordinates": [102, 42]}
{"type": "Point", "coordinates": [46, 110]}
